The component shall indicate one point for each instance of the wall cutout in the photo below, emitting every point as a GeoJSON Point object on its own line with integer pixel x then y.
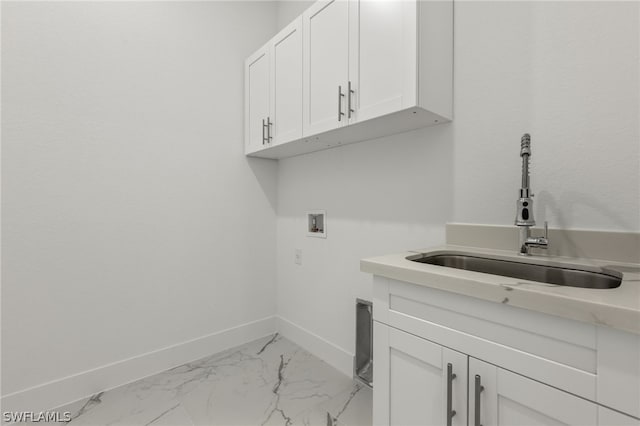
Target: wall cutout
{"type": "Point", "coordinates": [317, 223]}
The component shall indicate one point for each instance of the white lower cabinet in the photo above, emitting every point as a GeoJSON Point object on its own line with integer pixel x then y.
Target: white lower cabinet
{"type": "Point", "coordinates": [417, 382]}
{"type": "Point", "coordinates": [608, 417]}
{"type": "Point", "coordinates": [449, 359]}
{"type": "Point", "coordinates": [500, 397]}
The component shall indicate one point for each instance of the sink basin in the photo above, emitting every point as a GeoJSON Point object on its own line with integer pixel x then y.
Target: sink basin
{"type": "Point", "coordinates": [560, 274]}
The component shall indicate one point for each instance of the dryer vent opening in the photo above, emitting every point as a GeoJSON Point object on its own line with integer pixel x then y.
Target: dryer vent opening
{"type": "Point", "coordinates": [363, 362]}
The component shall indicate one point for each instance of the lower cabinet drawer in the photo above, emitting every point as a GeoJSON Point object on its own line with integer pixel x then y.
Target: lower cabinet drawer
{"type": "Point", "coordinates": [551, 350]}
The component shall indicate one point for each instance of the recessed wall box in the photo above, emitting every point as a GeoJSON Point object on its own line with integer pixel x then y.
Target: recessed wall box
{"type": "Point", "coordinates": [317, 223]}
{"type": "Point", "coordinates": [363, 360]}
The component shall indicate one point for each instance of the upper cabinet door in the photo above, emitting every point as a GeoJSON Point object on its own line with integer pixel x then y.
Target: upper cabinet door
{"type": "Point", "coordinates": [286, 84]}
{"type": "Point", "coordinates": [256, 91]}
{"type": "Point", "coordinates": [325, 66]}
{"type": "Point", "coordinates": [383, 57]}
{"type": "Point", "coordinates": [500, 397]}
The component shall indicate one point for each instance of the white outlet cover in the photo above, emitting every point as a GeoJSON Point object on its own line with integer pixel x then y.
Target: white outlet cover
{"type": "Point", "coordinates": [298, 257]}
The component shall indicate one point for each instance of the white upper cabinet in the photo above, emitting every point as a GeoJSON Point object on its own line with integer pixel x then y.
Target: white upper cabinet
{"type": "Point", "coordinates": [256, 107]}
{"type": "Point", "coordinates": [273, 91]}
{"type": "Point", "coordinates": [286, 84]}
{"type": "Point", "coordinates": [370, 68]}
{"type": "Point", "coordinates": [325, 66]}
{"type": "Point", "coordinates": [383, 57]}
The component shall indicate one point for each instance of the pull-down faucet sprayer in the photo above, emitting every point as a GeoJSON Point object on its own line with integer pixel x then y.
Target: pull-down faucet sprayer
{"type": "Point", "coordinates": [524, 214]}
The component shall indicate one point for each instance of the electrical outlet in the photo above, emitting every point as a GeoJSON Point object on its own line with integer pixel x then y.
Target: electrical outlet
{"type": "Point", "coordinates": [298, 257]}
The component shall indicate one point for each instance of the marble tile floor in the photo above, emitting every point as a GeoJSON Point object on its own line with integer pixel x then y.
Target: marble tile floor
{"type": "Point", "coordinates": [270, 381]}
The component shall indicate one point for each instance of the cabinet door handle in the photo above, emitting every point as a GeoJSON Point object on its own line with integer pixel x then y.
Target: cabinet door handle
{"type": "Point", "coordinates": [349, 93]}
{"type": "Point", "coordinates": [479, 388]}
{"type": "Point", "coordinates": [269, 124]}
{"type": "Point", "coordinates": [340, 96]}
{"type": "Point", "coordinates": [450, 377]}
{"type": "Point", "coordinates": [264, 139]}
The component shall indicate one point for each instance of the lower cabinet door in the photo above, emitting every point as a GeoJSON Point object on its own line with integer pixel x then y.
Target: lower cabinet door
{"type": "Point", "coordinates": [607, 417]}
{"type": "Point", "coordinates": [500, 397]}
{"type": "Point", "coordinates": [417, 382]}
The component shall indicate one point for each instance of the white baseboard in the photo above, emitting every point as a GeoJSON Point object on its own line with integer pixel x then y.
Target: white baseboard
{"type": "Point", "coordinates": [72, 388]}
{"type": "Point", "coordinates": [323, 349]}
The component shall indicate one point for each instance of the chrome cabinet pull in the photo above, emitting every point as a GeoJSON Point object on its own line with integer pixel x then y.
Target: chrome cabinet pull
{"type": "Point", "coordinates": [264, 139]}
{"type": "Point", "coordinates": [479, 388]}
{"type": "Point", "coordinates": [269, 124]}
{"type": "Point", "coordinates": [340, 96]}
{"type": "Point", "coordinates": [349, 93]}
{"type": "Point", "coordinates": [450, 377]}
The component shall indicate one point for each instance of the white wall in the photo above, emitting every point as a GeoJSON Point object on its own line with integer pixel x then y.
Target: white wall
{"type": "Point", "coordinates": [567, 72]}
{"type": "Point", "coordinates": [132, 221]}
{"type": "Point", "coordinates": [384, 196]}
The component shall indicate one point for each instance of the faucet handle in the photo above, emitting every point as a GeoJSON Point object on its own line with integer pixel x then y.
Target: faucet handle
{"type": "Point", "coordinates": [546, 230]}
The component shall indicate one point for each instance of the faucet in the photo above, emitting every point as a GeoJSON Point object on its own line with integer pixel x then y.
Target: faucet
{"type": "Point", "coordinates": [524, 214]}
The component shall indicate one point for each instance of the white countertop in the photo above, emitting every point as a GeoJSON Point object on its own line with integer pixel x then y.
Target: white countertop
{"type": "Point", "coordinates": [617, 308]}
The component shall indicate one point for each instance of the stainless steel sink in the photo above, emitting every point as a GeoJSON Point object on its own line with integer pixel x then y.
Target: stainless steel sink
{"type": "Point", "coordinates": [568, 275]}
